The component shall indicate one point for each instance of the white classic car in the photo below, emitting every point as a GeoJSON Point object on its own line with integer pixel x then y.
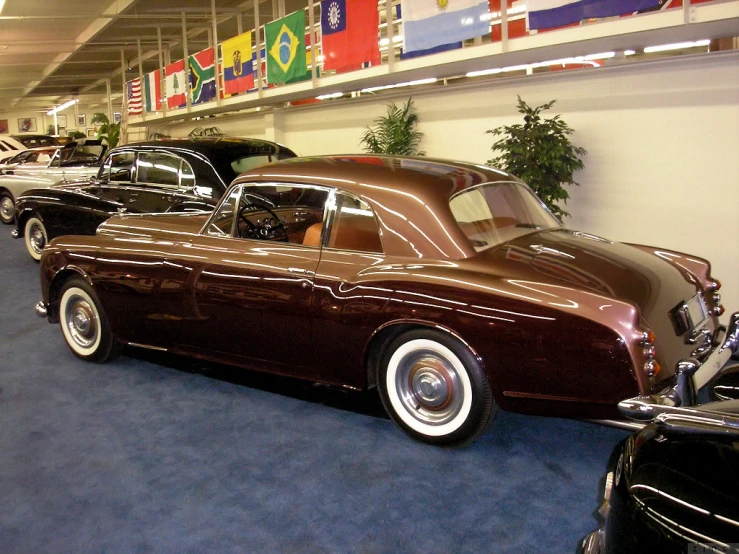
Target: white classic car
{"type": "Point", "coordinates": [45, 167]}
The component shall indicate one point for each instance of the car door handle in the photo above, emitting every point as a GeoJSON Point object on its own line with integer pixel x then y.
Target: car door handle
{"type": "Point", "coordinates": [298, 270]}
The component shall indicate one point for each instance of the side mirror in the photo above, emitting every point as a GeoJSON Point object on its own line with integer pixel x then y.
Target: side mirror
{"type": "Point", "coordinates": [726, 385]}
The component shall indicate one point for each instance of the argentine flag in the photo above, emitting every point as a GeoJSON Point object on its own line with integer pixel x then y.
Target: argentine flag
{"type": "Point", "coordinates": [431, 23]}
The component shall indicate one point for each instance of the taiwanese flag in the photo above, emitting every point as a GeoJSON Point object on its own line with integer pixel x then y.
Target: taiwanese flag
{"type": "Point", "coordinates": [349, 33]}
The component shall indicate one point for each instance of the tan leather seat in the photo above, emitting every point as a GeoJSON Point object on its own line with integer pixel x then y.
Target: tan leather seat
{"type": "Point", "coordinates": [313, 235]}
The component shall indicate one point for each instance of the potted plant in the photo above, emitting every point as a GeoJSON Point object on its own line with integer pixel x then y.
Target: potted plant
{"type": "Point", "coordinates": [539, 152]}
{"type": "Point", "coordinates": [108, 131]}
{"type": "Point", "coordinates": [395, 133]}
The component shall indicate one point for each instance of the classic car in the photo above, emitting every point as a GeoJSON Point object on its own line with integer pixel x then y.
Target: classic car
{"type": "Point", "coordinates": [31, 159]}
{"type": "Point", "coordinates": [31, 141]}
{"type": "Point", "coordinates": [47, 166]}
{"type": "Point", "coordinates": [673, 487]}
{"type": "Point", "coordinates": [447, 285]}
{"type": "Point", "coordinates": [155, 176]}
{"type": "Point", "coordinates": [9, 147]}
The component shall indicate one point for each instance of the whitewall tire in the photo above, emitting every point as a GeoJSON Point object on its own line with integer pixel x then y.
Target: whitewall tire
{"type": "Point", "coordinates": [34, 233]}
{"type": "Point", "coordinates": [84, 324]}
{"type": "Point", "coordinates": [434, 388]}
{"type": "Point", "coordinates": [7, 208]}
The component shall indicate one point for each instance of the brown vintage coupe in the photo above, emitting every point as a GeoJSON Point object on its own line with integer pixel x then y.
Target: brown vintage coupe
{"type": "Point", "coordinates": [447, 285]}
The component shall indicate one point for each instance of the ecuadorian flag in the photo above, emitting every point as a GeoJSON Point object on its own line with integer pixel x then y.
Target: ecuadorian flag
{"type": "Point", "coordinates": [238, 74]}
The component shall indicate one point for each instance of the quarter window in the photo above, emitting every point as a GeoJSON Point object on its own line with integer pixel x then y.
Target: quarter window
{"type": "Point", "coordinates": [354, 226]}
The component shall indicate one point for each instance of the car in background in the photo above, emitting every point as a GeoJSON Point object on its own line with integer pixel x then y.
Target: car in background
{"type": "Point", "coordinates": [29, 160]}
{"type": "Point", "coordinates": [157, 176]}
{"type": "Point", "coordinates": [33, 141]}
{"type": "Point", "coordinates": [46, 166]}
{"type": "Point", "coordinates": [449, 286]}
{"type": "Point", "coordinates": [9, 147]}
{"type": "Point", "coordinates": [673, 486]}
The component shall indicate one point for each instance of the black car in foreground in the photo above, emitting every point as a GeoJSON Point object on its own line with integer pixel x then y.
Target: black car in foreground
{"type": "Point", "coordinates": [173, 175]}
{"type": "Point", "coordinates": [673, 487]}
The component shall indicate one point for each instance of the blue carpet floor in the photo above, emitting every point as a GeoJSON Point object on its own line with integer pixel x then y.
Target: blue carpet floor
{"type": "Point", "coordinates": [160, 454]}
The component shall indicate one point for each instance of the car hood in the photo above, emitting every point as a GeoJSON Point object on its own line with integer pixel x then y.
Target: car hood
{"type": "Point", "coordinates": [154, 226]}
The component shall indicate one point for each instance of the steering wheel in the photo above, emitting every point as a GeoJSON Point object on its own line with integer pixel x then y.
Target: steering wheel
{"type": "Point", "coordinates": [268, 229]}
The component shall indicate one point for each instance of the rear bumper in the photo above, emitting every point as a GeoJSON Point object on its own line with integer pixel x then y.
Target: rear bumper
{"type": "Point", "coordinates": [692, 375]}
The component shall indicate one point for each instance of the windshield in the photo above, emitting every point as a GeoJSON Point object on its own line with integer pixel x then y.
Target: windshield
{"type": "Point", "coordinates": [495, 213]}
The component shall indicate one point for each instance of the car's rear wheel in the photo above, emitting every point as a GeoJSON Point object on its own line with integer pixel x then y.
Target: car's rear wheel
{"type": "Point", "coordinates": [84, 324]}
{"type": "Point", "coordinates": [434, 388]}
{"type": "Point", "coordinates": [7, 208]}
{"type": "Point", "coordinates": [36, 237]}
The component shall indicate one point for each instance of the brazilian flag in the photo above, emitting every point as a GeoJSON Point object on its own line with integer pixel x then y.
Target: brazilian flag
{"type": "Point", "coordinates": [285, 39]}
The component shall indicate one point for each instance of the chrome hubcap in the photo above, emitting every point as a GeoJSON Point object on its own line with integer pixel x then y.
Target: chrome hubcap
{"type": "Point", "coordinates": [81, 322]}
{"type": "Point", "coordinates": [6, 208]}
{"type": "Point", "coordinates": [429, 388]}
{"type": "Point", "coordinates": [37, 238]}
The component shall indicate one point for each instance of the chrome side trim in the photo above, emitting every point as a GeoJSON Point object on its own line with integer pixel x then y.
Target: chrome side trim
{"type": "Point", "coordinates": [148, 346]}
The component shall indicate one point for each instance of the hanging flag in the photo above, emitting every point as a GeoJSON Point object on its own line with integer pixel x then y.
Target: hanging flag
{"type": "Point", "coordinates": [431, 23]}
{"type": "Point", "coordinates": [418, 53]}
{"type": "Point", "coordinates": [285, 40]}
{"type": "Point", "coordinates": [203, 76]}
{"type": "Point", "coordinates": [516, 21]}
{"type": "Point", "coordinates": [544, 14]}
{"type": "Point", "coordinates": [175, 84]}
{"type": "Point", "coordinates": [349, 33]}
{"type": "Point", "coordinates": [238, 75]}
{"type": "Point", "coordinates": [133, 94]}
{"type": "Point", "coordinates": [153, 91]}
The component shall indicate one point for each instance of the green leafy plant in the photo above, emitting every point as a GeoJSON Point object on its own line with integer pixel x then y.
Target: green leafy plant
{"type": "Point", "coordinates": [111, 132]}
{"type": "Point", "coordinates": [539, 152]}
{"type": "Point", "coordinates": [395, 133]}
{"type": "Point", "coordinates": [74, 135]}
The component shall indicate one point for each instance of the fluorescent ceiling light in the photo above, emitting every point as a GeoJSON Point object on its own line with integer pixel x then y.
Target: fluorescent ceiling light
{"type": "Point", "coordinates": [2, 5]}
{"type": "Point", "coordinates": [676, 46]}
{"type": "Point", "coordinates": [330, 95]}
{"type": "Point", "coordinates": [64, 106]}
{"type": "Point", "coordinates": [399, 85]}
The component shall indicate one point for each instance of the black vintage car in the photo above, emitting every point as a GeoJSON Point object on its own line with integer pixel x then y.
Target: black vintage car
{"type": "Point", "coordinates": [673, 487]}
{"type": "Point", "coordinates": [173, 175]}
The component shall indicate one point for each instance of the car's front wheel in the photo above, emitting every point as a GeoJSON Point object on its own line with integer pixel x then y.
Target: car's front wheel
{"type": "Point", "coordinates": [35, 236]}
{"type": "Point", "coordinates": [434, 388]}
{"type": "Point", "coordinates": [84, 324]}
{"type": "Point", "coordinates": [7, 208]}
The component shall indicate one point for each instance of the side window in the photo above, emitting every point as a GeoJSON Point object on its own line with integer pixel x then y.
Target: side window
{"type": "Point", "coordinates": [354, 226]}
{"type": "Point", "coordinates": [159, 168]}
{"type": "Point", "coordinates": [118, 167]}
{"type": "Point", "coordinates": [222, 222]}
{"type": "Point", "coordinates": [281, 212]}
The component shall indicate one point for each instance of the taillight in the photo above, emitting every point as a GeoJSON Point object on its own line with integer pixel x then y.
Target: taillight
{"type": "Point", "coordinates": [713, 286]}
{"type": "Point", "coordinates": [649, 351]}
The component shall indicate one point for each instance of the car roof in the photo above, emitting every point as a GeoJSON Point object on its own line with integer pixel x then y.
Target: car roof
{"type": "Point", "coordinates": [410, 195]}
{"type": "Point", "coordinates": [369, 175]}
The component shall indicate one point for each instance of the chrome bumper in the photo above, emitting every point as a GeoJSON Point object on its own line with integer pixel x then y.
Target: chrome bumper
{"type": "Point", "coordinates": [692, 375]}
{"type": "Point", "coordinates": [41, 309]}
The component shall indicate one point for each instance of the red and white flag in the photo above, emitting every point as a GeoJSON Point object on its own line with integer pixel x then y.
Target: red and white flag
{"type": "Point", "coordinates": [133, 94]}
{"type": "Point", "coordinates": [176, 85]}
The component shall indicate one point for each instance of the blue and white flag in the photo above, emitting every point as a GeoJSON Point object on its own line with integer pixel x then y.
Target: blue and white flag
{"type": "Point", "coordinates": [431, 23]}
{"type": "Point", "coordinates": [546, 14]}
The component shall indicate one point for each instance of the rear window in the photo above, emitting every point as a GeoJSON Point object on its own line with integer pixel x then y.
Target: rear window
{"type": "Point", "coordinates": [494, 213]}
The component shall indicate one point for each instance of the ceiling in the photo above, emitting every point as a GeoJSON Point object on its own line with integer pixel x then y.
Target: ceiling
{"type": "Point", "coordinates": [54, 50]}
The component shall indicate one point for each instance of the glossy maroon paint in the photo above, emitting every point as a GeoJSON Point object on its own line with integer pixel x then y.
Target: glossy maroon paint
{"type": "Point", "coordinates": [555, 316]}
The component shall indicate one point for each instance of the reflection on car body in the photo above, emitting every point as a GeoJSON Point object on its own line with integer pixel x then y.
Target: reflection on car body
{"type": "Point", "coordinates": [401, 273]}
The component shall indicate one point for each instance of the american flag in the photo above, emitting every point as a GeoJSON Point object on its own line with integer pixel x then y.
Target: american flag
{"type": "Point", "coordinates": [134, 97]}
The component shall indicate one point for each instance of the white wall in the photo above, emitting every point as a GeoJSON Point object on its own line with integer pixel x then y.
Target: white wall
{"type": "Point", "coordinates": [662, 137]}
